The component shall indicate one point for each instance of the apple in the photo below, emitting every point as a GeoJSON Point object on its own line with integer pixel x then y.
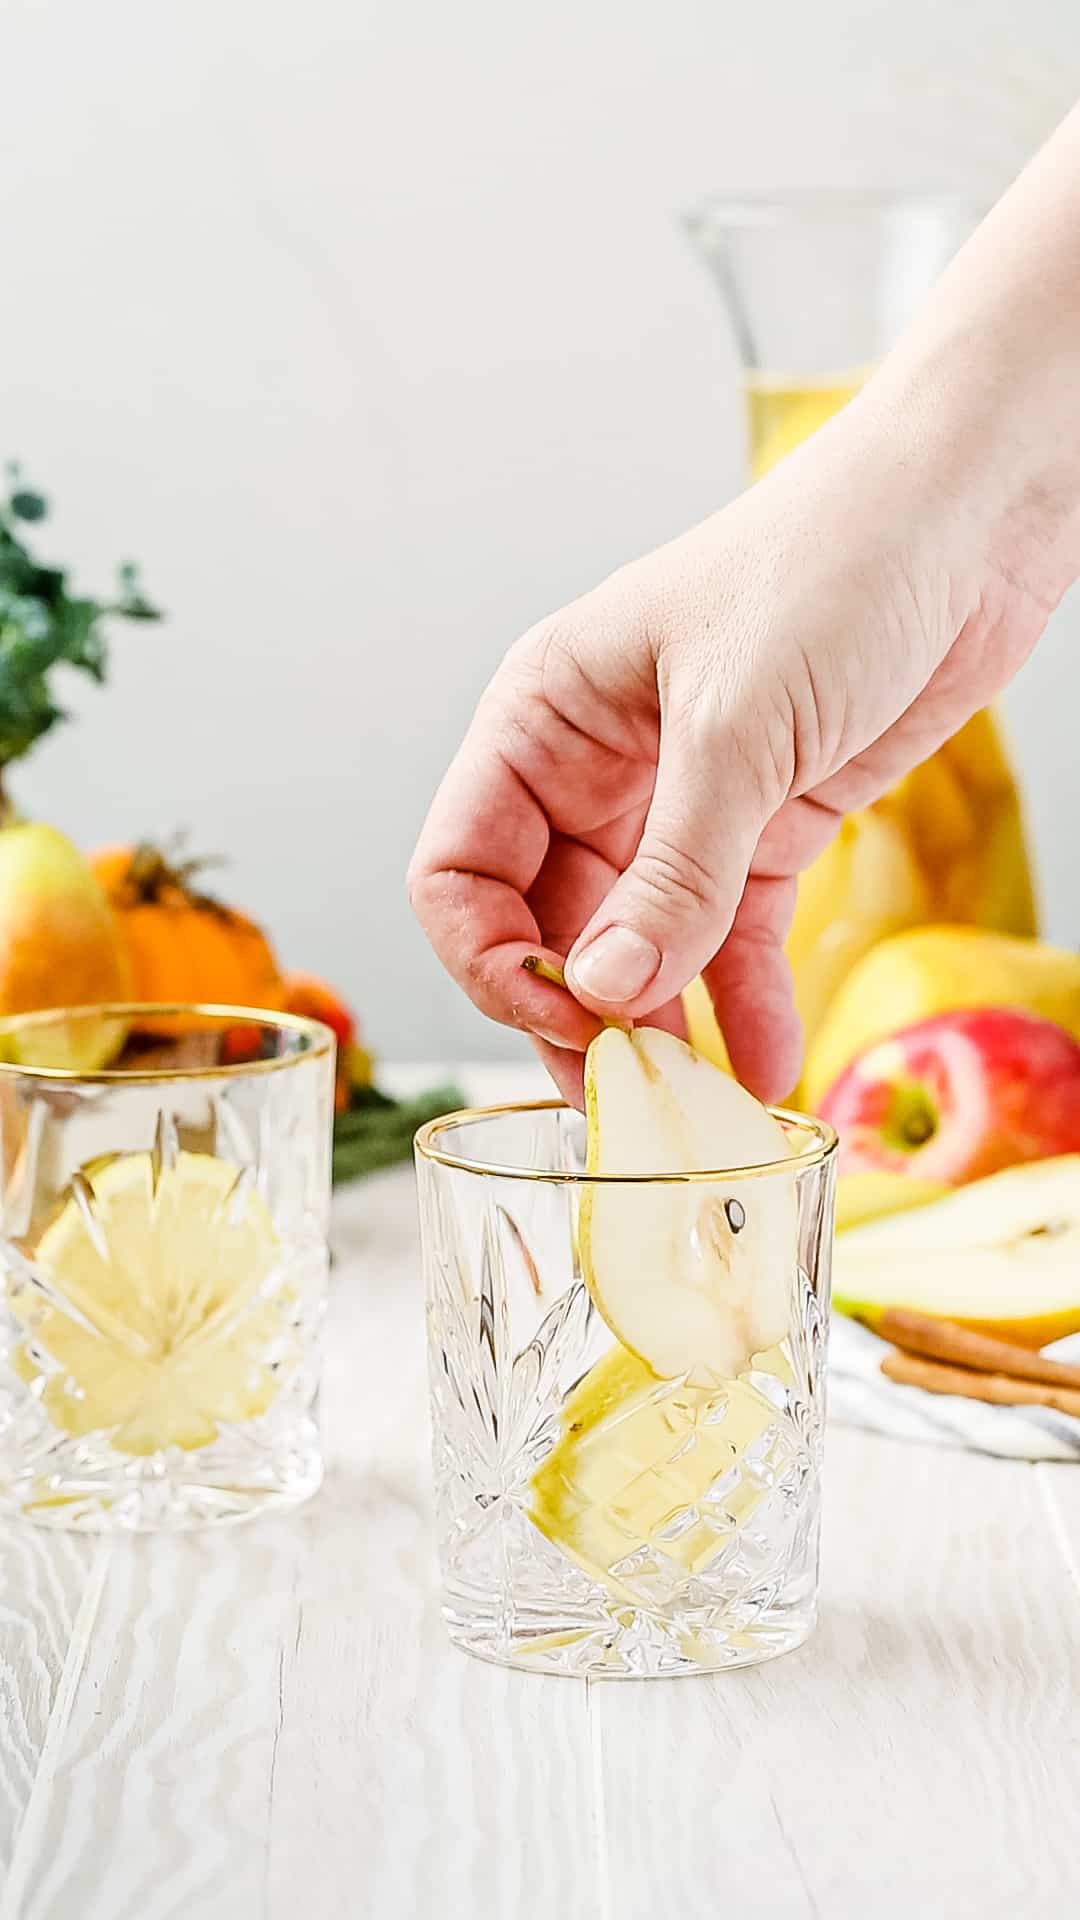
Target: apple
{"type": "Point", "coordinates": [959, 1096]}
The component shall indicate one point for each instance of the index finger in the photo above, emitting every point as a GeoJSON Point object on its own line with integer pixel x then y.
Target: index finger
{"type": "Point", "coordinates": [480, 850]}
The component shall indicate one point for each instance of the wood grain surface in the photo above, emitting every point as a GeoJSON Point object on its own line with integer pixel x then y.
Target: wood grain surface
{"type": "Point", "coordinates": [268, 1724]}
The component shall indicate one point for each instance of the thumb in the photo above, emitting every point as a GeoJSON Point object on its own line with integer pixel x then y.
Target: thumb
{"type": "Point", "coordinates": [671, 910]}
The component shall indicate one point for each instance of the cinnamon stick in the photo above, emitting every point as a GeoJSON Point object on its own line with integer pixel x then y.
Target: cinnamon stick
{"type": "Point", "coordinates": [946, 1340]}
{"type": "Point", "coordinates": [996, 1389]}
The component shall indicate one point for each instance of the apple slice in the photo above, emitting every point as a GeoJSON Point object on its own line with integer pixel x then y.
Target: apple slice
{"type": "Point", "coordinates": [1001, 1256]}
{"type": "Point", "coordinates": [693, 1277]}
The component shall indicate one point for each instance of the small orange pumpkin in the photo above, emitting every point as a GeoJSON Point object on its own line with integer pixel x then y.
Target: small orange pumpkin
{"type": "Point", "coordinates": [316, 999]}
{"type": "Point", "coordinates": [182, 944]}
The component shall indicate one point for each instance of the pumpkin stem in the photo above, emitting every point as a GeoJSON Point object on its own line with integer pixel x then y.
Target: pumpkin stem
{"type": "Point", "coordinates": [152, 873]}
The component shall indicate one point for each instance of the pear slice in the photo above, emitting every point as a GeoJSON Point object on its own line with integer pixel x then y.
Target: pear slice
{"type": "Point", "coordinates": [148, 1312]}
{"type": "Point", "coordinates": [690, 1276]}
{"type": "Point", "coordinates": [1000, 1255]}
{"type": "Point", "coordinates": [870, 1192]}
{"type": "Point", "coordinates": [645, 1466]}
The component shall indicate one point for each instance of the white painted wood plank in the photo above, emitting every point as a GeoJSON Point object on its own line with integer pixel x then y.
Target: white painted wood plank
{"type": "Point", "coordinates": [413, 1781]}
{"type": "Point", "coordinates": [43, 1578]}
{"type": "Point", "coordinates": [272, 1722]}
{"type": "Point", "coordinates": [1060, 1488]}
{"type": "Point", "coordinates": [920, 1756]}
{"type": "Point", "coordinates": [159, 1802]}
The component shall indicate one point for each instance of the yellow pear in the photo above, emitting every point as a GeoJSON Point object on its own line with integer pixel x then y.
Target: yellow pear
{"type": "Point", "coordinates": [865, 886]}
{"type": "Point", "coordinates": [946, 845]}
{"type": "Point", "coordinates": [59, 947]}
{"type": "Point", "coordinates": [961, 813]}
{"type": "Point", "coordinates": [867, 1195]}
{"type": "Point", "coordinates": [939, 969]}
{"type": "Point", "coordinates": [702, 1027]}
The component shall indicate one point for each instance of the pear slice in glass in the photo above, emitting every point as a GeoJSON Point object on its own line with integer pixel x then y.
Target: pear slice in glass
{"type": "Point", "coordinates": [694, 1276]}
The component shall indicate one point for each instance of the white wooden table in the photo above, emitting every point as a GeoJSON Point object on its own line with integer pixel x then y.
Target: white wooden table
{"type": "Point", "coordinates": [267, 1723]}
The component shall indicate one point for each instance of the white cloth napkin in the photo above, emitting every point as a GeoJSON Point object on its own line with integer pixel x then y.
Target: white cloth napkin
{"type": "Point", "coordinates": [861, 1396]}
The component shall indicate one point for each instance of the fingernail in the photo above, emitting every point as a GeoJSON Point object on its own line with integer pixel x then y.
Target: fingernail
{"type": "Point", "coordinates": [555, 1040]}
{"type": "Point", "coordinates": [616, 966]}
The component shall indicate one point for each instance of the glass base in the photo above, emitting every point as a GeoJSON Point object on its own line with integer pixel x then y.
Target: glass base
{"type": "Point", "coordinates": [84, 1488]}
{"type": "Point", "coordinates": [631, 1643]}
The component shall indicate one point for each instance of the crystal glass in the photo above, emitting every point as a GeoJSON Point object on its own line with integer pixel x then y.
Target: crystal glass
{"type": "Point", "coordinates": [163, 1214]}
{"type": "Point", "coordinates": [816, 289]}
{"type": "Point", "coordinates": [592, 1517]}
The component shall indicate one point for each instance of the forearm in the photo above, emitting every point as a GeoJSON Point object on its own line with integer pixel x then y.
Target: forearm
{"type": "Point", "coordinates": [987, 380]}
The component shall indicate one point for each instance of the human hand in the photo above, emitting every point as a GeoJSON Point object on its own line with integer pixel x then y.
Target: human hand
{"type": "Point", "coordinates": [651, 768]}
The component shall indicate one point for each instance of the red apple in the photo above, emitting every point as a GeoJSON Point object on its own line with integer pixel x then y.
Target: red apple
{"type": "Point", "coordinates": [959, 1096]}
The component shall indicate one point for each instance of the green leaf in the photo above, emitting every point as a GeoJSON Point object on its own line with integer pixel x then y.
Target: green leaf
{"type": "Point", "coordinates": [370, 1135]}
{"type": "Point", "coordinates": [133, 603]}
{"type": "Point", "coordinates": [43, 626]}
{"type": "Point", "coordinates": [137, 608]}
{"type": "Point", "coordinates": [78, 636]}
{"type": "Point", "coordinates": [28, 506]}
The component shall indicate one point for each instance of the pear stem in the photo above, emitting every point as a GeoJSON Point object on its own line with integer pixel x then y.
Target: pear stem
{"type": "Point", "coordinates": [535, 963]}
{"type": "Point", "coordinates": [543, 969]}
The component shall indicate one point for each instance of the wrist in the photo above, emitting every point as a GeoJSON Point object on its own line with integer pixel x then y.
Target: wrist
{"type": "Point", "coordinates": [987, 437]}
{"type": "Point", "coordinates": [986, 383]}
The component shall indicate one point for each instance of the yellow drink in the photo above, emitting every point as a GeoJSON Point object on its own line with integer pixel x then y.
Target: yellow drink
{"type": "Point", "coordinates": [782, 413]}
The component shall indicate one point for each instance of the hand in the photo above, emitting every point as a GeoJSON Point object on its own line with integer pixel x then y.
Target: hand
{"type": "Point", "coordinates": [650, 769]}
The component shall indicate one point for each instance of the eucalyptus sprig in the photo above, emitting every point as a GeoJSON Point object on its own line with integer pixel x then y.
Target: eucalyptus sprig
{"type": "Point", "coordinates": [43, 625]}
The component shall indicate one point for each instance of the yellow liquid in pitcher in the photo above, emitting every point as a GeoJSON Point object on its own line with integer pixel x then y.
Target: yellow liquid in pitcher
{"type": "Point", "coordinates": [782, 413]}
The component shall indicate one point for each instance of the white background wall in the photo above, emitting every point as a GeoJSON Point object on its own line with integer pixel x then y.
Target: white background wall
{"type": "Point", "coordinates": [368, 328]}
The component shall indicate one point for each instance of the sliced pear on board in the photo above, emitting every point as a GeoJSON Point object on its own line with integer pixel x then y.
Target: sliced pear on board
{"type": "Point", "coordinates": [1000, 1255]}
{"type": "Point", "coordinates": [694, 1277]}
{"type": "Point", "coordinates": [865, 1195]}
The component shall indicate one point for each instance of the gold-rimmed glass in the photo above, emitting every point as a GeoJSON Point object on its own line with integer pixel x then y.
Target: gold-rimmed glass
{"type": "Point", "coordinates": [593, 1518]}
{"type": "Point", "coordinates": [164, 1192]}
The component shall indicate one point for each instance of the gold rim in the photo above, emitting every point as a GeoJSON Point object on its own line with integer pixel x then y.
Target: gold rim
{"type": "Point", "coordinates": [825, 1146]}
{"type": "Point", "coordinates": [322, 1041]}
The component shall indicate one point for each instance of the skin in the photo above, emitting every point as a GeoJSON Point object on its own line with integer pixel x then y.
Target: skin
{"type": "Point", "coordinates": [660, 760]}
